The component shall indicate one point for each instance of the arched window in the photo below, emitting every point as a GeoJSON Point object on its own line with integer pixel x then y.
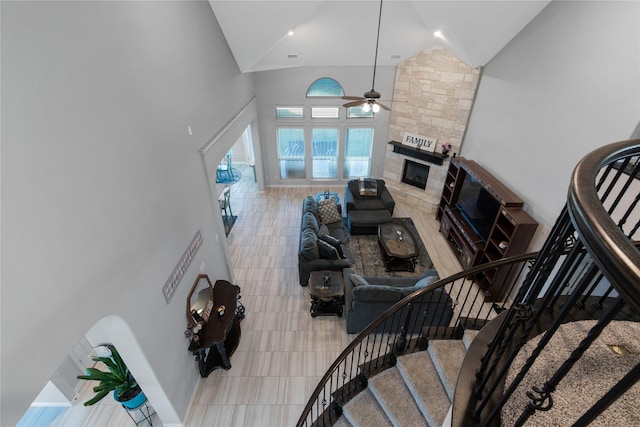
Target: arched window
{"type": "Point", "coordinates": [325, 86]}
{"type": "Point", "coordinates": [325, 144]}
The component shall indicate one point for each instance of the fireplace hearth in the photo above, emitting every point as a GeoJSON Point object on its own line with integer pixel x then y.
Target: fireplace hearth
{"type": "Point", "coordinates": [415, 174]}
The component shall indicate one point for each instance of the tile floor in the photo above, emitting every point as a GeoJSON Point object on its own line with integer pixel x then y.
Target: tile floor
{"type": "Point", "coordinates": [283, 352]}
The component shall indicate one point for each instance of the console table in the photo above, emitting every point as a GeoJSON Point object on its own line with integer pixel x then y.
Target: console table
{"type": "Point", "coordinates": [220, 335]}
{"type": "Point", "coordinates": [327, 195]}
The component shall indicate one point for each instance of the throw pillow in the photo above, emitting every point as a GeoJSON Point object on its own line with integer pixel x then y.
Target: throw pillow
{"type": "Point", "coordinates": [358, 280]}
{"type": "Point", "coordinates": [309, 244]}
{"type": "Point", "coordinates": [327, 251]}
{"type": "Point", "coordinates": [333, 242]}
{"type": "Point", "coordinates": [328, 211]}
{"type": "Point", "coordinates": [368, 187]}
{"type": "Point", "coordinates": [310, 221]}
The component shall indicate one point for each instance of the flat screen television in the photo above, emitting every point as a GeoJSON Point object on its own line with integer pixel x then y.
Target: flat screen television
{"type": "Point", "coordinates": [478, 208]}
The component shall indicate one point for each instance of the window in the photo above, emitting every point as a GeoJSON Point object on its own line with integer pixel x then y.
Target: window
{"type": "Point", "coordinates": [325, 87]}
{"type": "Point", "coordinates": [291, 152]}
{"type": "Point", "coordinates": [310, 136]}
{"type": "Point", "coordinates": [289, 112]}
{"type": "Point", "coordinates": [325, 112]}
{"type": "Point", "coordinates": [358, 112]}
{"type": "Point", "coordinates": [324, 153]}
{"type": "Point", "coordinates": [357, 152]}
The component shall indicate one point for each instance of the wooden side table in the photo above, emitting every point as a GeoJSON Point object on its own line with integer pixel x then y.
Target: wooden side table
{"type": "Point", "coordinates": [327, 195]}
{"type": "Point", "coordinates": [220, 336]}
{"type": "Point", "coordinates": [327, 293]}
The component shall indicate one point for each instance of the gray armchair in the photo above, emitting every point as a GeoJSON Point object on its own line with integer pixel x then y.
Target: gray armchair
{"type": "Point", "coordinates": [354, 201]}
{"type": "Point", "coordinates": [365, 211]}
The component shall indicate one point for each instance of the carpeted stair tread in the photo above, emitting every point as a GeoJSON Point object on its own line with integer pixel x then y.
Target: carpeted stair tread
{"type": "Point", "coordinates": [395, 398]}
{"type": "Point", "coordinates": [365, 411]}
{"type": "Point", "coordinates": [468, 337]}
{"type": "Point", "coordinates": [447, 357]}
{"type": "Point", "coordinates": [342, 422]}
{"type": "Point", "coordinates": [423, 381]}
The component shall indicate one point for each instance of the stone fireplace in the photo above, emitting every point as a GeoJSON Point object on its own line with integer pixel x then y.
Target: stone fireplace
{"type": "Point", "coordinates": [427, 198]}
{"type": "Point", "coordinates": [438, 90]}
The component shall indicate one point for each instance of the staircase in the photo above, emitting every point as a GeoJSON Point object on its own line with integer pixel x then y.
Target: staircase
{"type": "Point", "coordinates": [418, 391]}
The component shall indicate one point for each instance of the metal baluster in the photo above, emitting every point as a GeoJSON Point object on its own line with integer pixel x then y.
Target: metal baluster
{"type": "Point", "coordinates": [587, 294]}
{"type": "Point", "coordinates": [402, 341]}
{"type": "Point", "coordinates": [600, 302]}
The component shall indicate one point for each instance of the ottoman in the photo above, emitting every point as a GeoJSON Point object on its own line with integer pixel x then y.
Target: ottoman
{"type": "Point", "coordinates": [367, 221]}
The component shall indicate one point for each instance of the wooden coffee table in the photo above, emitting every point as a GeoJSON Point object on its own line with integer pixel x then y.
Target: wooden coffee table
{"type": "Point", "coordinates": [398, 246]}
{"type": "Point", "coordinates": [327, 293]}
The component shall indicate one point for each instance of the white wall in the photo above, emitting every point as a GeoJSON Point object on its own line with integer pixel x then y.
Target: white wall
{"type": "Point", "coordinates": [568, 83]}
{"type": "Point", "coordinates": [102, 186]}
{"type": "Point", "coordinates": [288, 87]}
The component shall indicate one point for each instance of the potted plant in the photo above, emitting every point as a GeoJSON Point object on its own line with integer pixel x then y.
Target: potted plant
{"type": "Point", "coordinates": [118, 379]}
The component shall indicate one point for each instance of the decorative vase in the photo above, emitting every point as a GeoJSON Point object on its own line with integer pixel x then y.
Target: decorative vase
{"type": "Point", "coordinates": [131, 402]}
{"type": "Point", "coordinates": [445, 152]}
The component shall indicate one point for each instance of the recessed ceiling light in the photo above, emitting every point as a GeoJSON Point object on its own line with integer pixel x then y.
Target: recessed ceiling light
{"type": "Point", "coordinates": [438, 34]}
{"type": "Point", "coordinates": [290, 33]}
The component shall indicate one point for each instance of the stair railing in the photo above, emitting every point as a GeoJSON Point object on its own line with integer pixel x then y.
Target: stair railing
{"type": "Point", "coordinates": [589, 268]}
{"type": "Point", "coordinates": [406, 327]}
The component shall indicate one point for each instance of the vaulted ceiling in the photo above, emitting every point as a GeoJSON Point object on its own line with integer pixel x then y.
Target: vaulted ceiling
{"type": "Point", "coordinates": [343, 32]}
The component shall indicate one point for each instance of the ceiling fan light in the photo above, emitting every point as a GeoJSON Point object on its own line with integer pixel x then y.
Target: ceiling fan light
{"type": "Point", "coordinates": [366, 107]}
{"type": "Point", "coordinates": [376, 108]}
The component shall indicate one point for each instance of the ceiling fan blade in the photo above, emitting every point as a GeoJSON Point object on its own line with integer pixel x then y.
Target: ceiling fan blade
{"type": "Point", "coordinates": [384, 107]}
{"type": "Point", "coordinates": [353, 98]}
{"type": "Point", "coordinates": [354, 103]}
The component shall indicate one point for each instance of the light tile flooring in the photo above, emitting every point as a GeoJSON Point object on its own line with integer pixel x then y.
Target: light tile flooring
{"type": "Point", "coordinates": [283, 352]}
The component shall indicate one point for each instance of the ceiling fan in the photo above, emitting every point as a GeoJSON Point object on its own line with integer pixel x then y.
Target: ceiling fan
{"type": "Point", "coordinates": [370, 99]}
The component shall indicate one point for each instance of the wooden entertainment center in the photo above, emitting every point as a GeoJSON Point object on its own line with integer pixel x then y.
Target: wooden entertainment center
{"type": "Point", "coordinates": [508, 231]}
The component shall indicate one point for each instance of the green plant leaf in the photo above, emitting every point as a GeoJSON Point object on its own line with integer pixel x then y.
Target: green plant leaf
{"type": "Point", "coordinates": [98, 397]}
{"type": "Point", "coordinates": [118, 377]}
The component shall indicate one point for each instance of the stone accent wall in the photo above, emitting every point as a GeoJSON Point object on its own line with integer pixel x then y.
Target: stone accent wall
{"type": "Point", "coordinates": [433, 95]}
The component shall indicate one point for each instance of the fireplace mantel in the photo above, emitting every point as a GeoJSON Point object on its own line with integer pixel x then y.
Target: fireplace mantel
{"type": "Point", "coordinates": [435, 158]}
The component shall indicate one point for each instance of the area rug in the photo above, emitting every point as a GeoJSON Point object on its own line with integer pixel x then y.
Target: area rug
{"type": "Point", "coordinates": [366, 258]}
{"type": "Point", "coordinates": [232, 178]}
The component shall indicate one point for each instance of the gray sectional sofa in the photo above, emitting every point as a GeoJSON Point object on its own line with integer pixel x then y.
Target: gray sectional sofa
{"type": "Point", "coordinates": [366, 300]}
{"type": "Point", "coordinates": [322, 245]}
